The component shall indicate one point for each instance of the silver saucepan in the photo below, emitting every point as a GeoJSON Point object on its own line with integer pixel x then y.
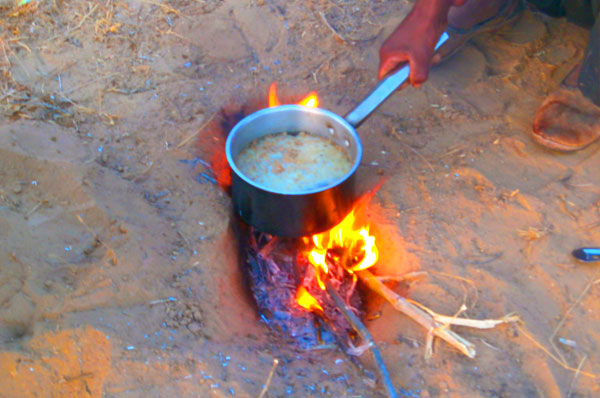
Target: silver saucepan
{"type": "Point", "coordinates": [296, 214]}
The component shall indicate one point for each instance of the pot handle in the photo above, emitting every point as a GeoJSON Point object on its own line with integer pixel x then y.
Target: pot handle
{"type": "Point", "coordinates": [383, 90]}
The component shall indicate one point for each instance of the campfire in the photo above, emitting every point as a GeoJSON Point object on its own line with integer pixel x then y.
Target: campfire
{"type": "Point", "coordinates": [312, 288]}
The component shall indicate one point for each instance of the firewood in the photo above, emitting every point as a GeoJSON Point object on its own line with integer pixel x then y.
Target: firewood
{"type": "Point", "coordinates": [362, 330]}
{"type": "Point", "coordinates": [417, 314]}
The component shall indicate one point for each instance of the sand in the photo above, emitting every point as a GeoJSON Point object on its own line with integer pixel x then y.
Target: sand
{"type": "Point", "coordinates": [118, 272]}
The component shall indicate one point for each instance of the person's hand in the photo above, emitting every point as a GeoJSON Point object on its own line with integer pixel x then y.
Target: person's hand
{"type": "Point", "coordinates": [414, 40]}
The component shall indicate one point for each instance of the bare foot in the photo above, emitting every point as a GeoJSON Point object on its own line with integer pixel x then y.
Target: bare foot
{"type": "Point", "coordinates": [567, 121]}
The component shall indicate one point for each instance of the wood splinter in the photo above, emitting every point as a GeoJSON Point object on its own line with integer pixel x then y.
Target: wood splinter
{"type": "Point", "coordinates": [436, 325]}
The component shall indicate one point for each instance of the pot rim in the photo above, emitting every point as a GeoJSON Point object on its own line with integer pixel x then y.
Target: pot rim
{"type": "Point", "coordinates": [282, 108]}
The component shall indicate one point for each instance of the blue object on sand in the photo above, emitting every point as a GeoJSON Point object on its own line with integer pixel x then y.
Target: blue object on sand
{"type": "Point", "coordinates": [587, 254]}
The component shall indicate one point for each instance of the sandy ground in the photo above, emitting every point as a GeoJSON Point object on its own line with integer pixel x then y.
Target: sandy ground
{"type": "Point", "coordinates": [118, 268]}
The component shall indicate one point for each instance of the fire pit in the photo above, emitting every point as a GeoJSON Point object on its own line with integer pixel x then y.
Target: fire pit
{"type": "Point", "coordinates": [311, 288]}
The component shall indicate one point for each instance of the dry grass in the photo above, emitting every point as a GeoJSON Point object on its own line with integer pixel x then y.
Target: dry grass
{"type": "Point", "coordinates": [532, 234]}
{"type": "Point", "coordinates": [37, 28]}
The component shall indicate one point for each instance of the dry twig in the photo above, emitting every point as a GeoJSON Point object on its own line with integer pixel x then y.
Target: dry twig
{"type": "Point", "coordinates": [268, 382]}
{"type": "Point", "coordinates": [33, 210]}
{"type": "Point", "coordinates": [401, 278]}
{"type": "Point", "coordinates": [401, 140]}
{"type": "Point", "coordinates": [462, 279]}
{"type": "Point", "coordinates": [362, 330]}
{"type": "Point", "coordinates": [190, 137]}
{"type": "Point", "coordinates": [436, 325]}
{"type": "Point", "coordinates": [564, 318]}
{"type": "Point", "coordinates": [331, 28]}
{"type": "Point", "coordinates": [185, 240]}
{"type": "Point", "coordinates": [552, 356]}
{"type": "Point", "coordinates": [79, 25]}
{"type": "Point", "coordinates": [417, 314]}
{"type": "Point", "coordinates": [575, 375]}
{"type": "Point", "coordinates": [164, 7]}
{"type": "Point", "coordinates": [110, 253]}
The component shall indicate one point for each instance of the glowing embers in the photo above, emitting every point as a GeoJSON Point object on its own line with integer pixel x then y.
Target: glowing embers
{"type": "Point", "coordinates": [306, 300]}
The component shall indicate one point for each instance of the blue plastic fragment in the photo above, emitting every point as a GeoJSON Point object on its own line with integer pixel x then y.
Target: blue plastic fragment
{"type": "Point", "coordinates": [587, 254]}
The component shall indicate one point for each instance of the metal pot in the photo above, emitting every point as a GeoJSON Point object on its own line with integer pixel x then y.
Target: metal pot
{"type": "Point", "coordinates": [293, 214]}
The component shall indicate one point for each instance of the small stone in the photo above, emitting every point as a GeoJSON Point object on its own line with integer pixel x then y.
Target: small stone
{"type": "Point", "coordinates": [171, 324]}
{"type": "Point", "coordinates": [17, 188]}
{"type": "Point", "coordinates": [195, 328]}
{"type": "Point", "coordinates": [197, 316]}
{"type": "Point", "coordinates": [345, 66]}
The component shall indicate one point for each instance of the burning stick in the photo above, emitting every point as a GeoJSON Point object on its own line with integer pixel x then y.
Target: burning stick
{"type": "Point", "coordinates": [362, 330]}
{"type": "Point", "coordinates": [436, 325]}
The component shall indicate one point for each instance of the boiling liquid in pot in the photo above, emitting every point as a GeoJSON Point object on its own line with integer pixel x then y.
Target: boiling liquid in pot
{"type": "Point", "coordinates": [293, 163]}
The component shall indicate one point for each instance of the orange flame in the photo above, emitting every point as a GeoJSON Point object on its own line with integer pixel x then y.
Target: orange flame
{"type": "Point", "coordinates": [273, 100]}
{"type": "Point", "coordinates": [357, 242]}
{"type": "Point", "coordinates": [306, 300]}
{"type": "Point", "coordinates": [311, 100]}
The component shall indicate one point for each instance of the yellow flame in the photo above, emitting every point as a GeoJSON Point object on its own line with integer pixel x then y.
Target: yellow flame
{"type": "Point", "coordinates": [306, 300]}
{"type": "Point", "coordinates": [311, 100]}
{"type": "Point", "coordinates": [370, 250]}
{"type": "Point", "coordinates": [357, 242]}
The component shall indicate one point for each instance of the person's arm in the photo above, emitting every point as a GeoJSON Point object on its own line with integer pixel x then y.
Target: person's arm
{"type": "Point", "coordinates": [414, 40]}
